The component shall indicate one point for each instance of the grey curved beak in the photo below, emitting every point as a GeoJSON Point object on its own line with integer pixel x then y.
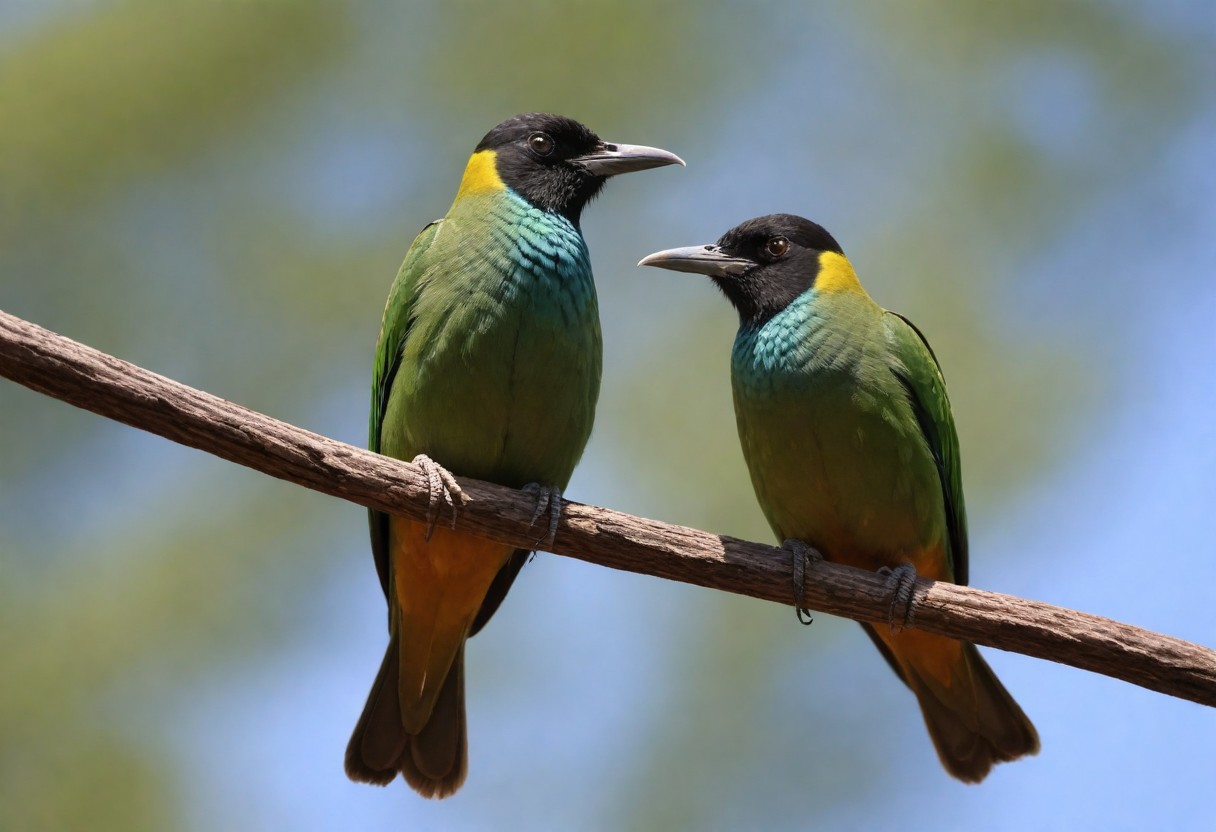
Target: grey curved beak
{"type": "Point", "coordinates": [611, 159]}
{"type": "Point", "coordinates": [706, 260]}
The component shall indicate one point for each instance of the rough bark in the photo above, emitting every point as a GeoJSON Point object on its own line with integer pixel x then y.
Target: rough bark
{"type": "Point", "coordinates": [106, 385]}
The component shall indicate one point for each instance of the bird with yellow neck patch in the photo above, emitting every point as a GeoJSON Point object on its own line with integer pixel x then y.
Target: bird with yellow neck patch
{"type": "Point", "coordinates": [848, 435]}
{"type": "Point", "coordinates": [488, 364]}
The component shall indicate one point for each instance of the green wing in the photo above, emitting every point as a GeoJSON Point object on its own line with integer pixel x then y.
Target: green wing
{"type": "Point", "coordinates": [917, 369]}
{"type": "Point", "coordinates": [394, 330]}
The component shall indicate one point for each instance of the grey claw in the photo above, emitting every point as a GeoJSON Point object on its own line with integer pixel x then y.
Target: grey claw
{"type": "Point", "coordinates": [543, 495]}
{"type": "Point", "coordinates": [903, 578]}
{"type": "Point", "coordinates": [802, 555]}
{"type": "Point", "coordinates": [548, 498]}
{"type": "Point", "coordinates": [442, 486]}
{"type": "Point", "coordinates": [555, 515]}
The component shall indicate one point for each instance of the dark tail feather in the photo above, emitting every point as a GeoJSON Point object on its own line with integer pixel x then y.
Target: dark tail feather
{"type": "Point", "coordinates": [379, 740]}
{"type": "Point", "coordinates": [974, 722]}
{"type": "Point", "coordinates": [435, 761]}
{"type": "Point", "coordinates": [976, 725]}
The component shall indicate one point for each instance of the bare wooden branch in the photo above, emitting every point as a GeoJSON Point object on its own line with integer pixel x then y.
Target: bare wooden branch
{"type": "Point", "coordinates": [90, 379]}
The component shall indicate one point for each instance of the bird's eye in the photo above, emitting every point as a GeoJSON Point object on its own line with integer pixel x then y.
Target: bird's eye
{"type": "Point", "coordinates": [541, 143]}
{"type": "Point", "coordinates": [777, 247]}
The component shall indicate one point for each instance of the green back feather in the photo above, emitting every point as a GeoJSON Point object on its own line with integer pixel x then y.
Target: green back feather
{"type": "Point", "coordinates": [921, 376]}
{"type": "Point", "coordinates": [393, 331]}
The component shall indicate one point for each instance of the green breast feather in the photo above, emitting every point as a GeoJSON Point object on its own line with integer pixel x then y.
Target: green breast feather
{"type": "Point", "coordinates": [846, 428]}
{"type": "Point", "coordinates": [490, 352]}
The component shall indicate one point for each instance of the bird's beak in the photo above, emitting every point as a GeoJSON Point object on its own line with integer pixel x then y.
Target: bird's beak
{"type": "Point", "coordinates": [706, 260]}
{"type": "Point", "coordinates": [610, 159]}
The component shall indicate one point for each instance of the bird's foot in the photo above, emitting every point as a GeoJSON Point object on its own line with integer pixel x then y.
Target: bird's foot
{"type": "Point", "coordinates": [548, 500]}
{"type": "Point", "coordinates": [903, 588]}
{"type": "Point", "coordinates": [802, 554]}
{"type": "Point", "coordinates": [443, 488]}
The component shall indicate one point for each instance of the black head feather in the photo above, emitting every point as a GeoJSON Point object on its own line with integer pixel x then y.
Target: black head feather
{"type": "Point", "coordinates": [776, 279]}
{"type": "Point", "coordinates": [534, 153]}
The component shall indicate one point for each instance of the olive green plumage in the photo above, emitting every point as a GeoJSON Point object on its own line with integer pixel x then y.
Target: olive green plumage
{"type": "Point", "coordinates": [493, 329]}
{"type": "Point", "coordinates": [848, 435]}
{"type": "Point", "coordinates": [488, 364]}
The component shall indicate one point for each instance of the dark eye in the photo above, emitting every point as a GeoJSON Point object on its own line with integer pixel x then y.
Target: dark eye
{"type": "Point", "coordinates": [541, 143]}
{"type": "Point", "coordinates": [777, 247]}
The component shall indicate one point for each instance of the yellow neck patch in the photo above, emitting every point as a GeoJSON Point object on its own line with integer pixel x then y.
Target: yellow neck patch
{"type": "Point", "coordinates": [836, 274]}
{"type": "Point", "coordinates": [480, 175]}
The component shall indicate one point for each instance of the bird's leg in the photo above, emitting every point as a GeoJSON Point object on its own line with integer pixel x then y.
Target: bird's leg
{"type": "Point", "coordinates": [802, 555]}
{"type": "Point", "coordinates": [442, 486]}
{"type": "Point", "coordinates": [548, 499]}
{"type": "Point", "coordinates": [903, 586]}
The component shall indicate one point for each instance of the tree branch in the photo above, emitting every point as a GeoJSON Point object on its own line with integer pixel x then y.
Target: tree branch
{"type": "Point", "coordinates": [87, 378]}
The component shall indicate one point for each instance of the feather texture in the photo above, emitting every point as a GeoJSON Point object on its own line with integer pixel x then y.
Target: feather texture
{"type": "Point", "coordinates": [847, 431]}
{"type": "Point", "coordinates": [489, 363]}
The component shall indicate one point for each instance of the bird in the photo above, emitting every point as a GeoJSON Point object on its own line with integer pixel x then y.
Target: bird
{"type": "Point", "coordinates": [850, 442]}
{"type": "Point", "coordinates": [487, 364]}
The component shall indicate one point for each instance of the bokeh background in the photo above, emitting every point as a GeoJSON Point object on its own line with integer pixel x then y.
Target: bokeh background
{"type": "Point", "coordinates": [222, 190]}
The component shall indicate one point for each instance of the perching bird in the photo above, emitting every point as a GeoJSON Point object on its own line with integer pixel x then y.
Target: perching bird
{"type": "Point", "coordinates": [847, 431]}
{"type": "Point", "coordinates": [488, 363]}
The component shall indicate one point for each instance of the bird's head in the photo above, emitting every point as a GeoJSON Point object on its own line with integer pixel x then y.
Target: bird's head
{"type": "Point", "coordinates": [765, 263]}
{"type": "Point", "coordinates": [553, 162]}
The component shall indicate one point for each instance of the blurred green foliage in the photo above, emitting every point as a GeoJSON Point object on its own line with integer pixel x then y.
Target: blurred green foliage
{"type": "Point", "coordinates": [129, 89]}
{"type": "Point", "coordinates": [158, 200]}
